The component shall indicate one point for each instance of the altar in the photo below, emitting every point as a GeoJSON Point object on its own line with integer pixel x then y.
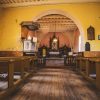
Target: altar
{"type": "Point", "coordinates": [54, 53]}
{"type": "Point", "coordinates": [54, 49]}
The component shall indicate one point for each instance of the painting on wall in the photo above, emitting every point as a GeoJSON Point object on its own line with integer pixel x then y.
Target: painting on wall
{"type": "Point", "coordinates": [91, 33]}
{"type": "Point", "coordinates": [98, 37]}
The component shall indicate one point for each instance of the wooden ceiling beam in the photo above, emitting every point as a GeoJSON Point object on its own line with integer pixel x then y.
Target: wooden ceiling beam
{"type": "Point", "coordinates": [18, 3]}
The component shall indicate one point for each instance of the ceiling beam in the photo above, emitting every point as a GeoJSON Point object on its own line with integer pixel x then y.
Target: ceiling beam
{"type": "Point", "coordinates": [16, 3]}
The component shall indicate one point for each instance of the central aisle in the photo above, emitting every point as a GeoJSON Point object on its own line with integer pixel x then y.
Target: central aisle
{"type": "Point", "coordinates": [56, 83]}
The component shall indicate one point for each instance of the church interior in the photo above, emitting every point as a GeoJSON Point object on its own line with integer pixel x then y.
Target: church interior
{"type": "Point", "coordinates": [49, 49]}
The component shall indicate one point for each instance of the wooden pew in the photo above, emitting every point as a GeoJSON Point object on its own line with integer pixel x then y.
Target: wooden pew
{"type": "Point", "coordinates": [26, 63]}
{"type": "Point", "coordinates": [83, 57]}
{"type": "Point", "coordinates": [32, 62]}
{"type": "Point", "coordinates": [91, 66]}
{"type": "Point", "coordinates": [11, 65]}
{"type": "Point", "coordinates": [98, 73]}
{"type": "Point", "coordinates": [83, 64]}
{"type": "Point", "coordinates": [97, 67]}
{"type": "Point", "coordinates": [87, 69]}
{"type": "Point", "coordinates": [78, 61]}
{"type": "Point", "coordinates": [10, 70]}
{"type": "Point", "coordinates": [86, 65]}
{"type": "Point", "coordinates": [93, 71]}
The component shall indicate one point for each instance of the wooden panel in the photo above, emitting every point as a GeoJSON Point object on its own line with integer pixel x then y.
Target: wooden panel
{"type": "Point", "coordinates": [98, 75]}
{"type": "Point", "coordinates": [10, 53]}
{"type": "Point", "coordinates": [16, 3]}
{"type": "Point", "coordinates": [91, 54]}
{"type": "Point", "coordinates": [80, 54]}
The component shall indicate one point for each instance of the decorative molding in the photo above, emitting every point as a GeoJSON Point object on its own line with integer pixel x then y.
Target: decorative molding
{"type": "Point", "coordinates": [17, 3]}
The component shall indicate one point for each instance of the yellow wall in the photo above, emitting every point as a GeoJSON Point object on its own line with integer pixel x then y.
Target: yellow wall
{"type": "Point", "coordinates": [0, 25]}
{"type": "Point", "coordinates": [87, 14]}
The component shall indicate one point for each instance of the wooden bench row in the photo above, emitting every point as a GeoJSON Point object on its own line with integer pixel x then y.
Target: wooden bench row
{"type": "Point", "coordinates": [89, 67]}
{"type": "Point", "coordinates": [87, 63]}
{"type": "Point", "coordinates": [15, 66]}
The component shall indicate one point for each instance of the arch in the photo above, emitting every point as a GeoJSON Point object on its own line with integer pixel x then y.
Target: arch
{"type": "Point", "coordinates": [55, 11]}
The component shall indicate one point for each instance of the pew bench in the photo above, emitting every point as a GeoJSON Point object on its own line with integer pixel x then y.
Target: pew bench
{"type": "Point", "coordinates": [96, 63]}
{"type": "Point", "coordinates": [78, 63]}
{"type": "Point", "coordinates": [87, 69]}
{"type": "Point", "coordinates": [12, 66]}
{"type": "Point", "coordinates": [86, 65]}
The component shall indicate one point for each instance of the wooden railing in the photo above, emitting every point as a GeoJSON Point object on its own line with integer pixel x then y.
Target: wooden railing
{"type": "Point", "coordinates": [70, 60]}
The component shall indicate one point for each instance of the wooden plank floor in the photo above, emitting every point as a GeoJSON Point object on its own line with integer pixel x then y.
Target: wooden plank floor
{"type": "Point", "coordinates": [56, 83]}
{"type": "Point", "coordinates": [55, 61]}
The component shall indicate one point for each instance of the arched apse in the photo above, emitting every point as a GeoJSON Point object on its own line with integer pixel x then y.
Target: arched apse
{"type": "Point", "coordinates": [76, 21]}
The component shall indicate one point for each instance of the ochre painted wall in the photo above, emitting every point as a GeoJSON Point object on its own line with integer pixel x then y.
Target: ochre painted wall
{"type": "Point", "coordinates": [0, 25]}
{"type": "Point", "coordinates": [10, 31]}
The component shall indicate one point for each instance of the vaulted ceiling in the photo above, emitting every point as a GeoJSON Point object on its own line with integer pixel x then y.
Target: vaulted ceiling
{"type": "Point", "coordinates": [16, 3]}
{"type": "Point", "coordinates": [57, 23]}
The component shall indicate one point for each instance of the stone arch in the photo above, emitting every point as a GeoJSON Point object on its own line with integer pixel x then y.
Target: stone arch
{"type": "Point", "coordinates": [77, 22]}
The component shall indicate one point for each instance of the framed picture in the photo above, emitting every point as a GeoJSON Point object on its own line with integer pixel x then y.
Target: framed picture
{"type": "Point", "coordinates": [91, 33]}
{"type": "Point", "coordinates": [29, 46]}
{"type": "Point", "coordinates": [98, 37]}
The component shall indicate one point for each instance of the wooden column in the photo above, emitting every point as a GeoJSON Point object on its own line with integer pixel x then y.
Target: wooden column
{"type": "Point", "coordinates": [10, 73]}
{"type": "Point", "coordinates": [80, 65]}
{"type": "Point", "coordinates": [28, 64]}
{"type": "Point", "coordinates": [87, 67]}
{"type": "Point", "coordinates": [78, 60]}
{"type": "Point", "coordinates": [92, 68]}
{"type": "Point", "coordinates": [22, 68]}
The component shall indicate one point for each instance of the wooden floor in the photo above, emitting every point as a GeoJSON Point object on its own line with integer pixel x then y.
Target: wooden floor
{"type": "Point", "coordinates": [56, 83]}
{"type": "Point", "coordinates": [55, 61]}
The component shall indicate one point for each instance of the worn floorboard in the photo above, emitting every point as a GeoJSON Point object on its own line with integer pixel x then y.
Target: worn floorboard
{"type": "Point", "coordinates": [56, 83]}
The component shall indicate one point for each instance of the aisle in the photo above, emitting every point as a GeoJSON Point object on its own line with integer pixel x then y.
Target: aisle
{"type": "Point", "coordinates": [56, 83]}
